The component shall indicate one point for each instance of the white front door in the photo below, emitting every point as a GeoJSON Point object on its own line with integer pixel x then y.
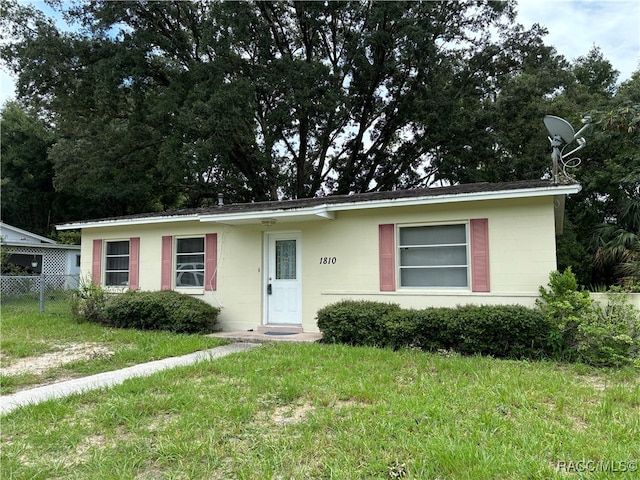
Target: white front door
{"type": "Point", "coordinates": [283, 290]}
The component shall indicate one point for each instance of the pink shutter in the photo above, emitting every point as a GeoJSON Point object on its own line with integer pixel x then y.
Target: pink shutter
{"type": "Point", "coordinates": [167, 263]}
{"type": "Point", "coordinates": [210, 261]}
{"type": "Point", "coordinates": [386, 237]}
{"type": "Point", "coordinates": [480, 255]}
{"type": "Point", "coordinates": [96, 263]}
{"type": "Point", "coordinates": [134, 263]}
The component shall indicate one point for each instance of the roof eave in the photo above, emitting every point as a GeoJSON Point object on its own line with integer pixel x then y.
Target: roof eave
{"type": "Point", "coordinates": [118, 222]}
{"type": "Point", "coordinates": [327, 211]}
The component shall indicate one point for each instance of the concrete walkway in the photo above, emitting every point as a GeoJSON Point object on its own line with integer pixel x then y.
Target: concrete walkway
{"type": "Point", "coordinates": [9, 403]}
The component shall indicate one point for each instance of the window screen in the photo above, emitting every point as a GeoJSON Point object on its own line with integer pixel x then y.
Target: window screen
{"type": "Point", "coordinates": [190, 262]}
{"type": "Point", "coordinates": [116, 271]}
{"type": "Point", "coordinates": [433, 256]}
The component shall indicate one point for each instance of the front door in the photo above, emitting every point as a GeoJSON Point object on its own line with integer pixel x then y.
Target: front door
{"type": "Point", "coordinates": [283, 291]}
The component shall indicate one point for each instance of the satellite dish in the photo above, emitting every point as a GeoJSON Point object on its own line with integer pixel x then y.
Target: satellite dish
{"type": "Point", "coordinates": [557, 126]}
{"type": "Point", "coordinates": [561, 133]}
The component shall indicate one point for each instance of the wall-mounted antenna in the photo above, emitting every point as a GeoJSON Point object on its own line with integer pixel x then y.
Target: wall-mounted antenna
{"type": "Point", "coordinates": [561, 135]}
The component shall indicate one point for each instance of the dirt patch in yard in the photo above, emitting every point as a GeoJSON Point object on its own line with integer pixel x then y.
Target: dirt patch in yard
{"type": "Point", "coordinates": [67, 353]}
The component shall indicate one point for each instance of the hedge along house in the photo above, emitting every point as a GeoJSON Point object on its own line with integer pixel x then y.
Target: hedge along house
{"type": "Point", "coordinates": [272, 265]}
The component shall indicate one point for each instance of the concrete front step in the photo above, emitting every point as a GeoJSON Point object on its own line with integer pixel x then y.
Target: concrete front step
{"type": "Point", "coordinates": [279, 329]}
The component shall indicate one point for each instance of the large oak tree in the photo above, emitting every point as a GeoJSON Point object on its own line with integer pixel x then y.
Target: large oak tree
{"type": "Point", "coordinates": [177, 101]}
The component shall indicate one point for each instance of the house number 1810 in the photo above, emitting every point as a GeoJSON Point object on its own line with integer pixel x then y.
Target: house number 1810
{"type": "Point", "coordinates": [328, 260]}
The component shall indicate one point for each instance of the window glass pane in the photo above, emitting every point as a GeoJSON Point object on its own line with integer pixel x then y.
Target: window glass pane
{"type": "Point", "coordinates": [117, 263]}
{"type": "Point", "coordinates": [436, 235]}
{"type": "Point", "coordinates": [190, 245]}
{"type": "Point", "coordinates": [433, 256]}
{"type": "Point", "coordinates": [433, 277]}
{"type": "Point", "coordinates": [118, 248]}
{"type": "Point", "coordinates": [117, 278]}
{"type": "Point", "coordinates": [190, 262]}
{"type": "Point", "coordinates": [190, 278]}
{"type": "Point", "coordinates": [285, 259]}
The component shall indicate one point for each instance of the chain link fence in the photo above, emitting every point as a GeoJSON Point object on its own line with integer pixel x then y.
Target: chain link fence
{"type": "Point", "coordinates": [47, 293]}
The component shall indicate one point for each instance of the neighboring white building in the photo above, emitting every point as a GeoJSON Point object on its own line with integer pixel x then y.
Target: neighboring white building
{"type": "Point", "coordinates": [39, 255]}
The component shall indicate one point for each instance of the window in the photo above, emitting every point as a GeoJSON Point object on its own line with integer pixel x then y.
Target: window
{"type": "Point", "coordinates": [434, 256]}
{"type": "Point", "coordinates": [285, 259]}
{"type": "Point", "coordinates": [116, 272]}
{"type": "Point", "coordinates": [190, 262]}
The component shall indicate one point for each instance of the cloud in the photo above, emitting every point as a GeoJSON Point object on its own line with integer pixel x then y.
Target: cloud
{"type": "Point", "coordinates": [575, 26]}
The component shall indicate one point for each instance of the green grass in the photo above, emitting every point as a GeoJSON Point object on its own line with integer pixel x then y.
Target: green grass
{"type": "Point", "coordinates": [324, 411]}
{"type": "Point", "coordinates": [26, 333]}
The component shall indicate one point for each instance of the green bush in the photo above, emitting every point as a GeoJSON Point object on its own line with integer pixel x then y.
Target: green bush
{"type": "Point", "coordinates": [87, 302]}
{"type": "Point", "coordinates": [609, 335]}
{"type": "Point", "coordinates": [564, 306]}
{"type": "Point", "coordinates": [507, 331]}
{"type": "Point", "coordinates": [355, 322]}
{"type": "Point", "coordinates": [500, 331]}
{"type": "Point", "coordinates": [582, 330]}
{"type": "Point", "coordinates": [430, 329]}
{"type": "Point", "coordinates": [162, 310]}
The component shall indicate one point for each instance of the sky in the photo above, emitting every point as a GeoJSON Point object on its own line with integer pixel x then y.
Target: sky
{"type": "Point", "coordinates": [574, 26]}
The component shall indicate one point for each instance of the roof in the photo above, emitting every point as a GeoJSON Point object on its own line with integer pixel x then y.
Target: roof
{"type": "Point", "coordinates": [40, 246]}
{"type": "Point", "coordinates": [317, 208]}
{"type": "Point", "coordinates": [17, 236]}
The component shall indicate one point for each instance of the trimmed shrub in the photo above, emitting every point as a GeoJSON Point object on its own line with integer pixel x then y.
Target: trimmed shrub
{"type": "Point", "coordinates": [501, 331]}
{"type": "Point", "coordinates": [356, 322]}
{"type": "Point", "coordinates": [161, 310]}
{"type": "Point", "coordinates": [507, 331]}
{"type": "Point", "coordinates": [429, 329]}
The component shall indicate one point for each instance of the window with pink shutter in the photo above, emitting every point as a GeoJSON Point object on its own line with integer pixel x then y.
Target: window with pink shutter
{"type": "Point", "coordinates": [445, 256]}
{"type": "Point", "coordinates": [195, 262]}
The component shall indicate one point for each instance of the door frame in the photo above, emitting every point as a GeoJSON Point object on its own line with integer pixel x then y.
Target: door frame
{"type": "Point", "coordinates": [280, 235]}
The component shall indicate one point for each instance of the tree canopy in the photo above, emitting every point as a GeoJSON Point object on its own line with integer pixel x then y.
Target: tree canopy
{"type": "Point", "coordinates": [268, 100]}
{"type": "Point", "coordinates": [160, 105]}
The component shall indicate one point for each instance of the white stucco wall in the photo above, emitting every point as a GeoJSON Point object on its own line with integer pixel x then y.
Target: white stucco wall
{"type": "Point", "coordinates": [521, 253]}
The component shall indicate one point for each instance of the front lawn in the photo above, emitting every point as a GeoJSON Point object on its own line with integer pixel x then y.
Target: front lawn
{"type": "Point", "coordinates": [44, 348]}
{"type": "Point", "coordinates": [317, 411]}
